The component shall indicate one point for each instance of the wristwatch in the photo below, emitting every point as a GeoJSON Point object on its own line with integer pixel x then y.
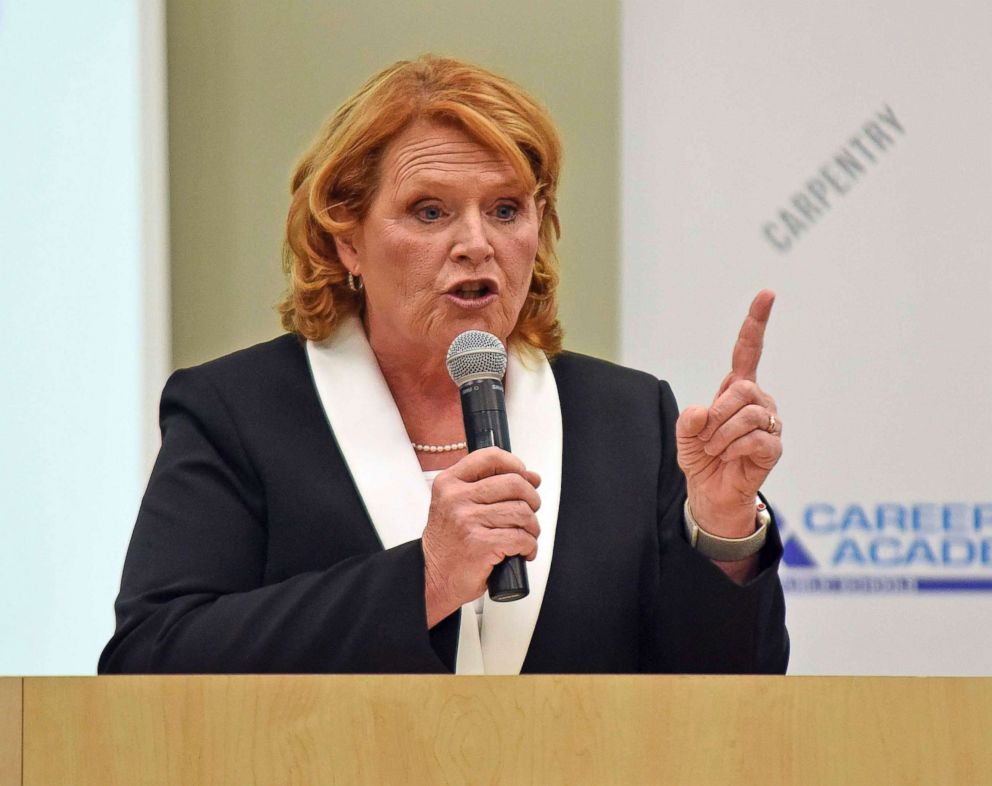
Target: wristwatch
{"type": "Point", "coordinates": [728, 549]}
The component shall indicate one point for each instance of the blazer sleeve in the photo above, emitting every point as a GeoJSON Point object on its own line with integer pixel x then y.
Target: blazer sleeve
{"type": "Point", "coordinates": [709, 623]}
{"type": "Point", "coordinates": [193, 598]}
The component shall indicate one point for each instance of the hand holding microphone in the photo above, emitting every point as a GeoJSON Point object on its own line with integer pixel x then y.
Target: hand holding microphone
{"type": "Point", "coordinates": [482, 524]}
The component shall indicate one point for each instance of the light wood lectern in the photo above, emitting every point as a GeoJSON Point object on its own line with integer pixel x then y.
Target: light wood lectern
{"type": "Point", "coordinates": [315, 730]}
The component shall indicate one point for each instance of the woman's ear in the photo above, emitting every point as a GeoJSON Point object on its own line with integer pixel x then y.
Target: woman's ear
{"type": "Point", "coordinates": [348, 243]}
{"type": "Point", "coordinates": [348, 253]}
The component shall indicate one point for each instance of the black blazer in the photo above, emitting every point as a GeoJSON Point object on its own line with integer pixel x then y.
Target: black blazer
{"type": "Point", "coordinates": [252, 551]}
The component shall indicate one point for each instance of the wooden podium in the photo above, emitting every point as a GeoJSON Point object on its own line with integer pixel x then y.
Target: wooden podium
{"type": "Point", "coordinates": [315, 730]}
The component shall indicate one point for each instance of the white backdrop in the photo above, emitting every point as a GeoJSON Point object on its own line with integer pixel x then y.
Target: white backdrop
{"type": "Point", "coordinates": [84, 315]}
{"type": "Point", "coordinates": [838, 153]}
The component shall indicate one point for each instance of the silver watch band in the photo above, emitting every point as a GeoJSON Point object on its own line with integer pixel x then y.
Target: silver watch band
{"type": "Point", "coordinates": [728, 549]}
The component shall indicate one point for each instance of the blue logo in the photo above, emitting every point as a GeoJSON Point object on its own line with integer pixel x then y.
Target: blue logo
{"type": "Point", "coordinates": [888, 548]}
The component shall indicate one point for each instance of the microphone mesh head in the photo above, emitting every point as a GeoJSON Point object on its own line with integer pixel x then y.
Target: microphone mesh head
{"type": "Point", "coordinates": [476, 354]}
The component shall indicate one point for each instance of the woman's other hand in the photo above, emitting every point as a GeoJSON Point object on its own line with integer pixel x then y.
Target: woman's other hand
{"type": "Point", "coordinates": [727, 450]}
{"type": "Point", "coordinates": [482, 510]}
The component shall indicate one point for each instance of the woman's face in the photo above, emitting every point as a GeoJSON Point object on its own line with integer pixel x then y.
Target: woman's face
{"type": "Point", "coordinates": [448, 243]}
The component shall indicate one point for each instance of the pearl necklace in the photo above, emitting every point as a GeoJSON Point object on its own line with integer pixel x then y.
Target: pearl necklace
{"type": "Point", "coordinates": [438, 448]}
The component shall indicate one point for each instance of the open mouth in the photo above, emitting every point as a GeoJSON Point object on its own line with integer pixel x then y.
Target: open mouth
{"type": "Point", "coordinates": [471, 291]}
{"type": "Point", "coordinates": [474, 294]}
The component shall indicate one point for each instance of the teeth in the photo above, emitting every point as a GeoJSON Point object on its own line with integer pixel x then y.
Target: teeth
{"type": "Point", "coordinates": [472, 291]}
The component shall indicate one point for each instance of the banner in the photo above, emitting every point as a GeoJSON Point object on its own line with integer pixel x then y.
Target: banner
{"type": "Point", "coordinates": [839, 155]}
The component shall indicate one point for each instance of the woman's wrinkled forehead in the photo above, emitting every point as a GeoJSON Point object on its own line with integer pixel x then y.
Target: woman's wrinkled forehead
{"type": "Point", "coordinates": [427, 151]}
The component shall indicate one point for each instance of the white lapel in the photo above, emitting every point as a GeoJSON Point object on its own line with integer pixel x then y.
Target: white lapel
{"type": "Point", "coordinates": [533, 413]}
{"type": "Point", "coordinates": [370, 433]}
{"type": "Point", "coordinates": [373, 440]}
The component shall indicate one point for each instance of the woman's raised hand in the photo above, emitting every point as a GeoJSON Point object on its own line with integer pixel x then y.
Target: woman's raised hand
{"type": "Point", "coordinates": [727, 450]}
{"type": "Point", "coordinates": [482, 510]}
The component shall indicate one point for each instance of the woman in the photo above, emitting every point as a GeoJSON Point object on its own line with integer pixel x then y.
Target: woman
{"type": "Point", "coordinates": [313, 507]}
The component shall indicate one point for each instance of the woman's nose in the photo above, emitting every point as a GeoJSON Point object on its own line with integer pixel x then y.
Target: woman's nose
{"type": "Point", "coordinates": [471, 240]}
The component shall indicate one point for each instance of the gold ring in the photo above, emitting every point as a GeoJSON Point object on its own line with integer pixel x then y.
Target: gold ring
{"type": "Point", "coordinates": [772, 423]}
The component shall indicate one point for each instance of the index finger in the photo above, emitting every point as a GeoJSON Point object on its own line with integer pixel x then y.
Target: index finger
{"type": "Point", "coordinates": [491, 461]}
{"type": "Point", "coordinates": [751, 339]}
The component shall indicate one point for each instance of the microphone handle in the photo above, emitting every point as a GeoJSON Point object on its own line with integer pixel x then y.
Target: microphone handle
{"type": "Point", "coordinates": [484, 415]}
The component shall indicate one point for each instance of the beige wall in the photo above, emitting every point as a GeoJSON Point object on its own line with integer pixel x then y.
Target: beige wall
{"type": "Point", "coordinates": [250, 84]}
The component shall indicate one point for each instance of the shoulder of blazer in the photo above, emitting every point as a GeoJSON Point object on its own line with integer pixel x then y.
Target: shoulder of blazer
{"type": "Point", "coordinates": [270, 371]}
{"type": "Point", "coordinates": [590, 388]}
{"type": "Point", "coordinates": [265, 390]}
{"type": "Point", "coordinates": [280, 354]}
{"type": "Point", "coordinates": [590, 374]}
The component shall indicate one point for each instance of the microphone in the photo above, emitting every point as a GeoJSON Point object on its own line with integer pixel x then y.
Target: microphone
{"type": "Point", "coordinates": [476, 363]}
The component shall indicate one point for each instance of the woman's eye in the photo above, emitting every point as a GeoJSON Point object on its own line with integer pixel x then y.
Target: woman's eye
{"type": "Point", "coordinates": [430, 213]}
{"type": "Point", "coordinates": [506, 212]}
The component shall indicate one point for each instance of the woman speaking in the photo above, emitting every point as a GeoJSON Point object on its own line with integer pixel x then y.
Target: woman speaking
{"type": "Point", "coordinates": [314, 507]}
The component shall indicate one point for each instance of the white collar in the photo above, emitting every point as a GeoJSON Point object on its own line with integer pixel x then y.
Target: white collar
{"type": "Point", "coordinates": [371, 437]}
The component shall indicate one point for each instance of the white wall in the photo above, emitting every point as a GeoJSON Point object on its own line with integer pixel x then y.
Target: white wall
{"type": "Point", "coordinates": [879, 350]}
{"type": "Point", "coordinates": [85, 346]}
